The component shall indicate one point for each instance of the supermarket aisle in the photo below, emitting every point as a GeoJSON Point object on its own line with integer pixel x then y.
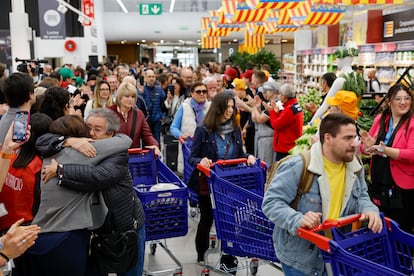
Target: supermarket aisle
{"type": "Point", "coordinates": [183, 249]}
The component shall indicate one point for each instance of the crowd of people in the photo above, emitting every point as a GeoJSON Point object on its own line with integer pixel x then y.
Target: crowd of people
{"type": "Point", "coordinates": [83, 121]}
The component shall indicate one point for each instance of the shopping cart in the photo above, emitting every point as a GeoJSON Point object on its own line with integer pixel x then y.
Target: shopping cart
{"type": "Point", "coordinates": [236, 191]}
{"type": "Point", "coordinates": [362, 252]}
{"type": "Point", "coordinates": [188, 169]}
{"type": "Point", "coordinates": [165, 210]}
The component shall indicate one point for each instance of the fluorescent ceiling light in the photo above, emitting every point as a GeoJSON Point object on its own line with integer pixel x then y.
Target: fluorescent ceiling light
{"type": "Point", "coordinates": [172, 4]}
{"type": "Point", "coordinates": [121, 4]}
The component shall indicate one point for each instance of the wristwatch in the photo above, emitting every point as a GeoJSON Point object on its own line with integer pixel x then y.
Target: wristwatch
{"type": "Point", "coordinates": [59, 173]}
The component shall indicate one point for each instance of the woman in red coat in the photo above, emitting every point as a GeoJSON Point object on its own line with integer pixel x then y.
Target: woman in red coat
{"type": "Point", "coordinates": [287, 121]}
{"type": "Point", "coordinates": [132, 120]}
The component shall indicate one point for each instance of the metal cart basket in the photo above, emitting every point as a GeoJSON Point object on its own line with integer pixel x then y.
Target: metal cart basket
{"type": "Point", "coordinates": [236, 191]}
{"type": "Point", "coordinates": [362, 252]}
{"type": "Point", "coordinates": [165, 210]}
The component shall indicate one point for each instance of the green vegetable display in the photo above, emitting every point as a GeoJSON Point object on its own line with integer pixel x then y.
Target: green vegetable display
{"type": "Point", "coordinates": [313, 95]}
{"type": "Point", "coordinates": [304, 142]}
{"type": "Point", "coordinates": [354, 82]}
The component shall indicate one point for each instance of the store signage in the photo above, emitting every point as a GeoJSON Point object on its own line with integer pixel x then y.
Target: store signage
{"type": "Point", "coordinates": [51, 22]}
{"type": "Point", "coordinates": [366, 48]}
{"type": "Point", "coordinates": [88, 8]}
{"type": "Point", "coordinates": [405, 46]}
{"type": "Point", "coordinates": [385, 47]}
{"type": "Point", "coordinates": [398, 26]}
{"type": "Point", "coordinates": [150, 9]}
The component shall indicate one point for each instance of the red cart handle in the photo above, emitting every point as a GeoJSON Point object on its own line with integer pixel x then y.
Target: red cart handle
{"type": "Point", "coordinates": [221, 162]}
{"type": "Point", "coordinates": [138, 151]}
{"type": "Point", "coordinates": [182, 140]}
{"type": "Point", "coordinates": [321, 241]}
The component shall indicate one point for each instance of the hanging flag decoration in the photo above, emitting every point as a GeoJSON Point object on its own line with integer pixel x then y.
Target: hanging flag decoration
{"type": "Point", "coordinates": [263, 4]}
{"type": "Point", "coordinates": [239, 11]}
{"type": "Point", "coordinates": [210, 42]}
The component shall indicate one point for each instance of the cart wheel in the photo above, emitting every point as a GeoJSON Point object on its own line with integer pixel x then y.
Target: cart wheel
{"type": "Point", "coordinates": [254, 266]}
{"type": "Point", "coordinates": [193, 212]}
{"type": "Point", "coordinates": [205, 272]}
{"type": "Point", "coordinates": [153, 248]}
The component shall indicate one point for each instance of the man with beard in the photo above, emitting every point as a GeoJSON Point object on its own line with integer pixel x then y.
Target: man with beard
{"type": "Point", "coordinates": [338, 189]}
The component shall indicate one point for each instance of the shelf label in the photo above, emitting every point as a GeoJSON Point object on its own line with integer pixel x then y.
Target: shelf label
{"type": "Point", "coordinates": [405, 46]}
{"type": "Point", "coordinates": [366, 48]}
{"type": "Point", "coordinates": [385, 47]}
{"type": "Point", "coordinates": [316, 51]}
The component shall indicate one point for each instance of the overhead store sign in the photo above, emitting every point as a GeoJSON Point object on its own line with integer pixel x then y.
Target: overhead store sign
{"type": "Point", "coordinates": [51, 22]}
{"type": "Point", "coordinates": [150, 9]}
{"type": "Point", "coordinates": [399, 26]}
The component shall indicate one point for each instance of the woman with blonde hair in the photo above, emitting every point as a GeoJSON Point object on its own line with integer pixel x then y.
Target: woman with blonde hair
{"type": "Point", "coordinates": [133, 122]}
{"type": "Point", "coordinates": [102, 97]}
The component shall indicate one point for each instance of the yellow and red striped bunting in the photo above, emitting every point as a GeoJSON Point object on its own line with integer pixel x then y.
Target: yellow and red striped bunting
{"type": "Point", "coordinates": [237, 13]}
{"type": "Point", "coordinates": [218, 32]}
{"type": "Point", "coordinates": [210, 42]}
{"type": "Point", "coordinates": [260, 4]}
{"type": "Point", "coordinates": [254, 40]}
{"type": "Point", "coordinates": [360, 2]}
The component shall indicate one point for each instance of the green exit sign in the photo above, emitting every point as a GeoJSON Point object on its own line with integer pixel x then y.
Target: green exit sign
{"type": "Point", "coordinates": [150, 9]}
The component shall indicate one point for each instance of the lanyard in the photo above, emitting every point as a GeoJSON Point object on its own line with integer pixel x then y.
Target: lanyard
{"type": "Point", "coordinates": [389, 132]}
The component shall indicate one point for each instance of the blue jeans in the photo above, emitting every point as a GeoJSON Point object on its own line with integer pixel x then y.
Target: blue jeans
{"type": "Point", "coordinates": [290, 271]}
{"type": "Point", "coordinates": [138, 270]}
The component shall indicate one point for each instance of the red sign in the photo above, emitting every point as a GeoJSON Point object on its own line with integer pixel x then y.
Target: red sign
{"type": "Point", "coordinates": [88, 8]}
{"type": "Point", "coordinates": [385, 47]}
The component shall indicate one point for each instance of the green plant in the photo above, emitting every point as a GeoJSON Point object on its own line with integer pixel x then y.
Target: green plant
{"type": "Point", "coordinates": [346, 52]}
{"type": "Point", "coordinates": [354, 82]}
{"type": "Point", "coordinates": [258, 59]}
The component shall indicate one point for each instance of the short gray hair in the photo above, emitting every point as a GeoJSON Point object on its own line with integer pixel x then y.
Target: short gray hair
{"type": "Point", "coordinates": [209, 79]}
{"type": "Point", "coordinates": [287, 90]}
{"type": "Point", "coordinates": [112, 120]}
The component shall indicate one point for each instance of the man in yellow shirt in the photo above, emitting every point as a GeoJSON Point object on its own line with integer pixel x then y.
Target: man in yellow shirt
{"type": "Point", "coordinates": [338, 189]}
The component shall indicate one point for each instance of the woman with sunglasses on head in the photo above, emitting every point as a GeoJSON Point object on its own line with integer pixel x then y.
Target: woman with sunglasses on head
{"type": "Point", "coordinates": [218, 137]}
{"type": "Point", "coordinates": [390, 141]}
{"type": "Point", "coordinates": [189, 116]}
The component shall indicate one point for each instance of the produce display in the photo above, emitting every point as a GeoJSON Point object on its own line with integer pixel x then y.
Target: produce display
{"type": "Point", "coordinates": [313, 95]}
{"type": "Point", "coordinates": [304, 142]}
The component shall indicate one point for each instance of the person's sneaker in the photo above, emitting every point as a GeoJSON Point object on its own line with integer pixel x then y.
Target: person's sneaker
{"type": "Point", "coordinates": [228, 263]}
{"type": "Point", "coordinates": [201, 263]}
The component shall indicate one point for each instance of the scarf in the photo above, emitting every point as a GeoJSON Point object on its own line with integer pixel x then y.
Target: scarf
{"type": "Point", "coordinates": [226, 127]}
{"type": "Point", "coordinates": [198, 110]}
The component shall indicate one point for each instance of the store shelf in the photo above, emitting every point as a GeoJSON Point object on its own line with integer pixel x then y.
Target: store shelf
{"type": "Point", "coordinates": [389, 59]}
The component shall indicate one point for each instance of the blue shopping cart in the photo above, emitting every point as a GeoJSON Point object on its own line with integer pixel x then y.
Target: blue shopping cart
{"type": "Point", "coordinates": [188, 169]}
{"type": "Point", "coordinates": [165, 210]}
{"type": "Point", "coordinates": [362, 252]}
{"type": "Point", "coordinates": [236, 191]}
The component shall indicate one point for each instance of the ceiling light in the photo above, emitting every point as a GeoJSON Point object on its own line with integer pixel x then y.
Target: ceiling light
{"type": "Point", "coordinates": [172, 4]}
{"type": "Point", "coordinates": [121, 4]}
{"type": "Point", "coordinates": [137, 43]}
{"type": "Point", "coordinates": [143, 41]}
{"type": "Point", "coordinates": [123, 41]}
{"type": "Point", "coordinates": [235, 40]}
{"type": "Point", "coordinates": [161, 41]}
{"type": "Point", "coordinates": [284, 40]}
{"type": "Point", "coordinates": [61, 8]}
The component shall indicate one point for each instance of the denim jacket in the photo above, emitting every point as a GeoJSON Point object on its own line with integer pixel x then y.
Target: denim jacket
{"type": "Point", "coordinates": [290, 249]}
{"type": "Point", "coordinates": [204, 145]}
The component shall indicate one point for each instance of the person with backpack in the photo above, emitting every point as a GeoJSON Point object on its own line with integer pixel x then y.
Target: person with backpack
{"type": "Point", "coordinates": [338, 189]}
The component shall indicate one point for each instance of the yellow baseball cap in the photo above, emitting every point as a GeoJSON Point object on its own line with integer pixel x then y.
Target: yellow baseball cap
{"type": "Point", "coordinates": [239, 84]}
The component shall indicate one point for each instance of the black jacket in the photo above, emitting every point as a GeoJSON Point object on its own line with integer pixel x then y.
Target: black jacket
{"type": "Point", "coordinates": [112, 177]}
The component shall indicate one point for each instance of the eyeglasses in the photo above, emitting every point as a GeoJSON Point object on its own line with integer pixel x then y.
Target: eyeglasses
{"type": "Point", "coordinates": [405, 99]}
{"type": "Point", "coordinates": [200, 91]}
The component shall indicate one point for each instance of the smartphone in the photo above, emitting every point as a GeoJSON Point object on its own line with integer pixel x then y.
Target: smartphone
{"type": "Point", "coordinates": [141, 80]}
{"type": "Point", "coordinates": [21, 123]}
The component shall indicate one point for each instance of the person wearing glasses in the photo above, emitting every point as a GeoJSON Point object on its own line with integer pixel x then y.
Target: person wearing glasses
{"type": "Point", "coordinates": [390, 141]}
{"type": "Point", "coordinates": [102, 97]}
{"type": "Point", "coordinates": [188, 116]}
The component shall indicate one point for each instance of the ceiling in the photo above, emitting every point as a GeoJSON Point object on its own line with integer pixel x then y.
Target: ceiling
{"type": "Point", "coordinates": [182, 25]}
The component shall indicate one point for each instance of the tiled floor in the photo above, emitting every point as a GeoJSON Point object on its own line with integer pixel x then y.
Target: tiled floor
{"type": "Point", "coordinates": [184, 250]}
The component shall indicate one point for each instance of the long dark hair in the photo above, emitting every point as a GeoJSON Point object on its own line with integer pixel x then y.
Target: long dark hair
{"type": "Point", "coordinates": [70, 125]}
{"type": "Point", "coordinates": [55, 101]}
{"type": "Point", "coordinates": [212, 120]}
{"type": "Point", "coordinates": [39, 123]}
{"type": "Point", "coordinates": [387, 113]}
